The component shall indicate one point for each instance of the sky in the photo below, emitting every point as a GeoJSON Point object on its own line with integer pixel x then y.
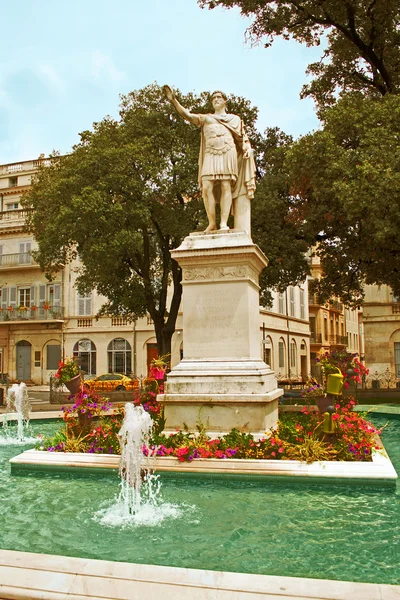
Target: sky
{"type": "Point", "coordinates": [63, 66]}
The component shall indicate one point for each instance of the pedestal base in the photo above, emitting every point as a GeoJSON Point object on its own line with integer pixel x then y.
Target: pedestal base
{"type": "Point", "coordinates": [222, 380]}
{"type": "Point", "coordinates": [222, 395]}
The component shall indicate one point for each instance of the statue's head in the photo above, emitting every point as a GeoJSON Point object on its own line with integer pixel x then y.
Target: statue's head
{"type": "Point", "coordinates": [217, 97]}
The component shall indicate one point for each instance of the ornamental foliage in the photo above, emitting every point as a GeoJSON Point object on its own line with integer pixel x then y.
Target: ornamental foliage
{"type": "Point", "coordinates": [360, 41]}
{"type": "Point", "coordinates": [345, 184]}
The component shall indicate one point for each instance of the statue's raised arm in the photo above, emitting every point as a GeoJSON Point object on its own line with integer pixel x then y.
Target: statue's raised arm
{"type": "Point", "coordinates": [226, 164]}
{"type": "Point", "coordinates": [183, 112]}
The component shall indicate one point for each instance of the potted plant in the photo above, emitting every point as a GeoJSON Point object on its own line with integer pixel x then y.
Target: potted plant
{"type": "Point", "coordinates": [158, 367]}
{"type": "Point", "coordinates": [68, 373]}
{"type": "Point", "coordinates": [315, 394]}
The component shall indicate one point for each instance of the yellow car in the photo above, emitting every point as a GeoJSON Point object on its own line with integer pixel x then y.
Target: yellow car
{"type": "Point", "coordinates": [110, 382]}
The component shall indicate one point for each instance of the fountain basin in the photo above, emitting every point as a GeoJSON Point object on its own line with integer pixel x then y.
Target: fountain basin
{"type": "Point", "coordinates": [379, 471]}
{"type": "Point", "coordinates": [46, 577]}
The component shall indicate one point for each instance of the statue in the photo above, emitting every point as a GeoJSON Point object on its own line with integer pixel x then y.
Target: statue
{"type": "Point", "coordinates": [226, 164]}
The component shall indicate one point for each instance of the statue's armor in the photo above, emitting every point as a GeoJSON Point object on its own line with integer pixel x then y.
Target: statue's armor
{"type": "Point", "coordinates": [220, 156]}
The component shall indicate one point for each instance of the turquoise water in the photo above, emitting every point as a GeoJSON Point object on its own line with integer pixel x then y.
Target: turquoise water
{"type": "Point", "coordinates": [276, 529]}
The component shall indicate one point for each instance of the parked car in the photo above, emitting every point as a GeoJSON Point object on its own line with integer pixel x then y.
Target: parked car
{"type": "Point", "coordinates": [110, 382]}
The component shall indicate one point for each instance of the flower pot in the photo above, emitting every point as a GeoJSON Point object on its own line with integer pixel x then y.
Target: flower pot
{"type": "Point", "coordinates": [323, 402]}
{"type": "Point", "coordinates": [157, 373]}
{"type": "Point", "coordinates": [74, 384]}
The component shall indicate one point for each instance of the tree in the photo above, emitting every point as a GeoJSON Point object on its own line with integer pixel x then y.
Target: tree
{"type": "Point", "coordinates": [276, 235]}
{"type": "Point", "coordinates": [346, 195]}
{"type": "Point", "coordinates": [362, 37]}
{"type": "Point", "coordinates": [121, 201]}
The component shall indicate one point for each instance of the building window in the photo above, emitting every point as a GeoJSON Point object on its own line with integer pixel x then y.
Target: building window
{"type": "Point", "coordinates": [119, 356]}
{"type": "Point", "coordinates": [293, 352]}
{"type": "Point", "coordinates": [325, 328]}
{"type": "Point", "coordinates": [302, 307]}
{"type": "Point", "coordinates": [281, 303]}
{"type": "Point", "coordinates": [24, 297]}
{"type": "Point", "coordinates": [397, 358]}
{"type": "Point", "coordinates": [24, 257]}
{"type": "Point", "coordinates": [12, 181]}
{"type": "Point", "coordinates": [85, 350]}
{"type": "Point", "coordinates": [84, 305]}
{"type": "Point", "coordinates": [268, 351]}
{"type": "Point", "coordinates": [281, 353]}
{"type": "Point", "coordinates": [291, 300]}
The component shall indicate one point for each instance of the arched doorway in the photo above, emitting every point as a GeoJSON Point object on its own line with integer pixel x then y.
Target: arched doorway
{"type": "Point", "coordinates": [24, 352]}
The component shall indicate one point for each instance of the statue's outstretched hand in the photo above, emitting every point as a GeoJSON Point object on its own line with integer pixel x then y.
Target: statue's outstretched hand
{"type": "Point", "coordinates": [169, 94]}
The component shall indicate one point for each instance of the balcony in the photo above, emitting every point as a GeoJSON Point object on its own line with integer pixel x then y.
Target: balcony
{"type": "Point", "coordinates": [316, 338]}
{"type": "Point", "coordinates": [338, 340]}
{"type": "Point", "coordinates": [336, 306]}
{"type": "Point", "coordinates": [13, 219]}
{"type": "Point", "coordinates": [17, 214]}
{"type": "Point", "coordinates": [17, 260]}
{"type": "Point", "coordinates": [26, 165]}
{"type": "Point", "coordinates": [33, 313]}
{"type": "Point", "coordinates": [396, 308]}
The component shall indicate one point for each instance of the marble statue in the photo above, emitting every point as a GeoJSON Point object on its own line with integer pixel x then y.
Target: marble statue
{"type": "Point", "coordinates": [226, 164]}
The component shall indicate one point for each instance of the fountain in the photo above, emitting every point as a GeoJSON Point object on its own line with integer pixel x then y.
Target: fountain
{"type": "Point", "coordinates": [18, 409]}
{"type": "Point", "coordinates": [139, 500]}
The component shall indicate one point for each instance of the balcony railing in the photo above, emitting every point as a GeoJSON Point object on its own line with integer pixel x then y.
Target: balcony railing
{"type": "Point", "coordinates": [17, 214]}
{"type": "Point", "coordinates": [336, 305]}
{"type": "Point", "coordinates": [26, 165]}
{"type": "Point", "coordinates": [395, 308]}
{"type": "Point", "coordinates": [19, 259]}
{"type": "Point", "coordinates": [32, 313]}
{"type": "Point", "coordinates": [316, 338]}
{"type": "Point", "coordinates": [338, 340]}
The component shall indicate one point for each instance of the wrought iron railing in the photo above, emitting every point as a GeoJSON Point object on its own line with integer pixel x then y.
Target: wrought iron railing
{"type": "Point", "coordinates": [32, 313]}
{"type": "Point", "coordinates": [316, 338]}
{"type": "Point", "coordinates": [338, 340]}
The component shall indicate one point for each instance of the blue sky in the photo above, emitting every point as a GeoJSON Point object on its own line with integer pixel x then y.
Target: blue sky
{"type": "Point", "coordinates": [64, 64]}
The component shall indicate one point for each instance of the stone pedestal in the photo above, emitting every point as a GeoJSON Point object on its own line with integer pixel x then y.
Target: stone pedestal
{"type": "Point", "coordinates": [222, 380]}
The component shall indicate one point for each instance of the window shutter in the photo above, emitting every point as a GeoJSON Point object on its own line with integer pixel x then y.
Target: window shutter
{"type": "Point", "coordinates": [81, 306]}
{"type": "Point", "coordinates": [57, 294]}
{"type": "Point", "coordinates": [33, 295]}
{"type": "Point", "coordinates": [42, 293]}
{"type": "Point", "coordinates": [4, 297]}
{"type": "Point", "coordinates": [1, 254]}
{"type": "Point", "coordinates": [84, 305]}
{"type": "Point", "coordinates": [13, 297]}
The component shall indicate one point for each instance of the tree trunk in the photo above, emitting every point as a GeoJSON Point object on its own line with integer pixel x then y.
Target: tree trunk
{"type": "Point", "coordinates": [165, 328]}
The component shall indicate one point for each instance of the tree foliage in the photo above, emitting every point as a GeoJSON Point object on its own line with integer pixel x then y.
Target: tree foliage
{"type": "Point", "coordinates": [277, 235]}
{"type": "Point", "coordinates": [362, 39]}
{"type": "Point", "coordinates": [122, 200]}
{"type": "Point", "coordinates": [346, 195]}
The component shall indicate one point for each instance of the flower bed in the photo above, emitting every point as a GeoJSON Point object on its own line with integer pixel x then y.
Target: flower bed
{"type": "Point", "coordinates": [92, 426]}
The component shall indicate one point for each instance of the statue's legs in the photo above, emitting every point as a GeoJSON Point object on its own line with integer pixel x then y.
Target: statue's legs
{"type": "Point", "coordinates": [209, 203]}
{"type": "Point", "coordinates": [226, 202]}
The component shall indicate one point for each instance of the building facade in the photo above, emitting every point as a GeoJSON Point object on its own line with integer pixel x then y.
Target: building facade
{"type": "Point", "coordinates": [381, 329]}
{"type": "Point", "coordinates": [41, 322]}
{"type": "Point", "coordinates": [332, 325]}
